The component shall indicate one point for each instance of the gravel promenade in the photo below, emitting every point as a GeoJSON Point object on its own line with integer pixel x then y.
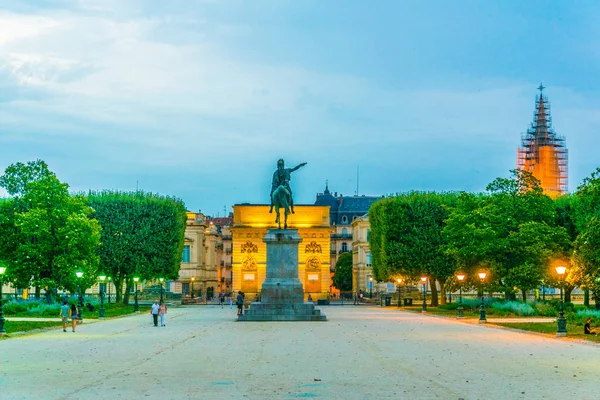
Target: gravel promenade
{"type": "Point", "coordinates": [359, 353]}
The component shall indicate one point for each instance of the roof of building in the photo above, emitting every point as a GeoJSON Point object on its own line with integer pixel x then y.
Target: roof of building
{"type": "Point", "coordinates": [344, 206]}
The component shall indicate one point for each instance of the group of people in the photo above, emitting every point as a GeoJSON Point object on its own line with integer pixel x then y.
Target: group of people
{"type": "Point", "coordinates": [159, 310]}
{"type": "Point", "coordinates": [69, 312]}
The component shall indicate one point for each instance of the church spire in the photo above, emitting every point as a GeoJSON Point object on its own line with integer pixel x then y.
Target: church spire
{"type": "Point", "coordinates": [326, 187]}
{"type": "Point", "coordinates": [542, 151]}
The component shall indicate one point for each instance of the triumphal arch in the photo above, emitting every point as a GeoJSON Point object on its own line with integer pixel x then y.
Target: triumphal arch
{"type": "Point", "coordinates": [249, 257]}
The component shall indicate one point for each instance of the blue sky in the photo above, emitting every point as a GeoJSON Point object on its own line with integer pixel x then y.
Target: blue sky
{"type": "Point", "coordinates": [198, 99]}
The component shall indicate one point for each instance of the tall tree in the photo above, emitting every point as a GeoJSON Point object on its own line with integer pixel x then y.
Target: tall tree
{"type": "Point", "coordinates": [342, 278]}
{"type": "Point", "coordinates": [143, 235]}
{"type": "Point", "coordinates": [406, 232]}
{"type": "Point", "coordinates": [511, 231]}
{"type": "Point", "coordinates": [586, 266]}
{"type": "Point", "coordinates": [53, 235]}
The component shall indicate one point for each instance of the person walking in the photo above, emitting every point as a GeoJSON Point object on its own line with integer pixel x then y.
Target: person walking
{"type": "Point", "coordinates": [154, 312]}
{"type": "Point", "coordinates": [162, 312]}
{"type": "Point", "coordinates": [74, 315]}
{"type": "Point", "coordinates": [64, 314]}
{"type": "Point", "coordinates": [230, 300]}
{"type": "Point", "coordinates": [239, 302]}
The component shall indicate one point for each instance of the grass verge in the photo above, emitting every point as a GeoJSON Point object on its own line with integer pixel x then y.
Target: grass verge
{"type": "Point", "coordinates": [549, 328]}
{"type": "Point", "coordinates": [25, 326]}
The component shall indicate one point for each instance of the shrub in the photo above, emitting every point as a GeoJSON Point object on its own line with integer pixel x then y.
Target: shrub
{"type": "Point", "coordinates": [44, 310]}
{"type": "Point", "coordinates": [14, 307]}
{"type": "Point", "coordinates": [544, 309]}
{"type": "Point", "coordinates": [514, 307]}
{"type": "Point", "coordinates": [580, 316]}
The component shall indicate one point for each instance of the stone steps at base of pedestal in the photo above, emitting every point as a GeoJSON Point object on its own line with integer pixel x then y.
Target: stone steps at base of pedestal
{"type": "Point", "coordinates": [290, 318]}
{"type": "Point", "coordinates": [282, 312]}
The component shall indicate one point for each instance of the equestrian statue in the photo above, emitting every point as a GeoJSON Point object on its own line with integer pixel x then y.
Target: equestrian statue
{"type": "Point", "coordinates": [281, 193]}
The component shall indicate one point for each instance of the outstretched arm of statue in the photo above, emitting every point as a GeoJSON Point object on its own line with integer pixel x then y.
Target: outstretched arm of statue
{"type": "Point", "coordinates": [298, 166]}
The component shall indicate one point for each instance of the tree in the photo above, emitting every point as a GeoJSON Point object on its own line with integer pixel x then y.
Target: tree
{"type": "Point", "coordinates": [587, 257]}
{"type": "Point", "coordinates": [342, 278]}
{"type": "Point", "coordinates": [511, 231]}
{"type": "Point", "coordinates": [52, 235]}
{"type": "Point", "coordinates": [407, 240]}
{"type": "Point", "coordinates": [142, 235]}
{"type": "Point", "coordinates": [586, 267]}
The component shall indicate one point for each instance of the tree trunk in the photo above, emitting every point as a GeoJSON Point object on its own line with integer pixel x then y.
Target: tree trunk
{"type": "Point", "coordinates": [524, 293]}
{"type": "Point", "coordinates": [597, 300]}
{"type": "Point", "coordinates": [38, 292]}
{"type": "Point", "coordinates": [586, 298]}
{"type": "Point", "coordinates": [434, 293]}
{"type": "Point", "coordinates": [568, 294]}
{"type": "Point", "coordinates": [127, 292]}
{"type": "Point", "coordinates": [442, 293]}
{"type": "Point", "coordinates": [118, 289]}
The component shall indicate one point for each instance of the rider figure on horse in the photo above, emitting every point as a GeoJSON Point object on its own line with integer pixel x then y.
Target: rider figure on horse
{"type": "Point", "coordinates": [281, 177]}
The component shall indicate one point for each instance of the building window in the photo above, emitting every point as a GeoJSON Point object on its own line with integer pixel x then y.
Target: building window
{"type": "Point", "coordinates": [185, 288]}
{"type": "Point", "coordinates": [354, 218]}
{"type": "Point", "coordinates": [368, 259]}
{"type": "Point", "coordinates": [185, 257]}
{"type": "Point", "coordinates": [344, 220]}
{"type": "Point", "coordinates": [344, 247]}
{"type": "Point", "coordinates": [344, 232]}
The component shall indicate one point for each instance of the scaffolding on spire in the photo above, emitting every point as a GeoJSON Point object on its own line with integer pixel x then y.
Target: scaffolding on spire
{"type": "Point", "coordinates": [543, 152]}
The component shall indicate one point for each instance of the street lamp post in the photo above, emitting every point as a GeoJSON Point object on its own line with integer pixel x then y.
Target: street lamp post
{"type": "Point", "coordinates": [102, 313]}
{"type": "Point", "coordinates": [161, 288]}
{"type": "Point", "coordinates": [561, 321]}
{"type": "Point", "coordinates": [193, 278]}
{"type": "Point", "coordinates": [2, 330]}
{"type": "Point", "coordinates": [79, 275]}
{"type": "Point", "coordinates": [371, 287]}
{"type": "Point", "coordinates": [136, 305]}
{"type": "Point", "coordinates": [109, 279]}
{"type": "Point", "coordinates": [482, 318]}
{"type": "Point", "coordinates": [424, 283]}
{"type": "Point", "coordinates": [461, 278]}
{"type": "Point", "coordinates": [399, 292]}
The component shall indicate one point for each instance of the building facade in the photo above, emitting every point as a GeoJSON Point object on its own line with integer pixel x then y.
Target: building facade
{"type": "Point", "coordinates": [198, 275]}
{"type": "Point", "coordinates": [224, 253]}
{"type": "Point", "coordinates": [543, 152]}
{"type": "Point", "coordinates": [250, 225]}
{"type": "Point", "coordinates": [343, 212]}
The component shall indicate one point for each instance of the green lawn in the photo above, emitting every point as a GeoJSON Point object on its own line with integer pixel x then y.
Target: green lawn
{"type": "Point", "coordinates": [111, 310]}
{"type": "Point", "coordinates": [573, 331]}
{"type": "Point", "coordinates": [24, 326]}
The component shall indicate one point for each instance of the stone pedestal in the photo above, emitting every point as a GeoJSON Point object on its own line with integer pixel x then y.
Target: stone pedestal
{"type": "Point", "coordinates": [282, 294]}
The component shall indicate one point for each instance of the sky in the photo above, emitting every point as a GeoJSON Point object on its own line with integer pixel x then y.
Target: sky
{"type": "Point", "coordinates": [198, 99]}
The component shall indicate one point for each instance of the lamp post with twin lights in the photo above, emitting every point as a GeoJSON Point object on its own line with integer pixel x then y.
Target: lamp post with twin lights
{"type": "Point", "coordinates": [79, 275]}
{"type": "Point", "coordinates": [371, 287]}
{"type": "Point", "coordinates": [399, 293]}
{"type": "Point", "coordinates": [136, 305]}
{"type": "Point", "coordinates": [424, 284]}
{"type": "Point", "coordinates": [561, 321]}
{"type": "Point", "coordinates": [482, 319]}
{"type": "Point", "coordinates": [161, 289]}
{"type": "Point", "coordinates": [102, 313]}
{"type": "Point", "coordinates": [193, 278]}
{"type": "Point", "coordinates": [2, 330]}
{"type": "Point", "coordinates": [461, 278]}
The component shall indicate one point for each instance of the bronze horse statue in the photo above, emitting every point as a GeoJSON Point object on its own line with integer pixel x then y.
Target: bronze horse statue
{"type": "Point", "coordinates": [282, 199]}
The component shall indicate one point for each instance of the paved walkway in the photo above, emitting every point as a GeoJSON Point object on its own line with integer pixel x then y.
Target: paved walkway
{"type": "Point", "coordinates": [360, 353]}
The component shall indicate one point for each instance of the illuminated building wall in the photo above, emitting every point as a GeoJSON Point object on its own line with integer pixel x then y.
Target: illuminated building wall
{"type": "Point", "coordinates": [250, 224]}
